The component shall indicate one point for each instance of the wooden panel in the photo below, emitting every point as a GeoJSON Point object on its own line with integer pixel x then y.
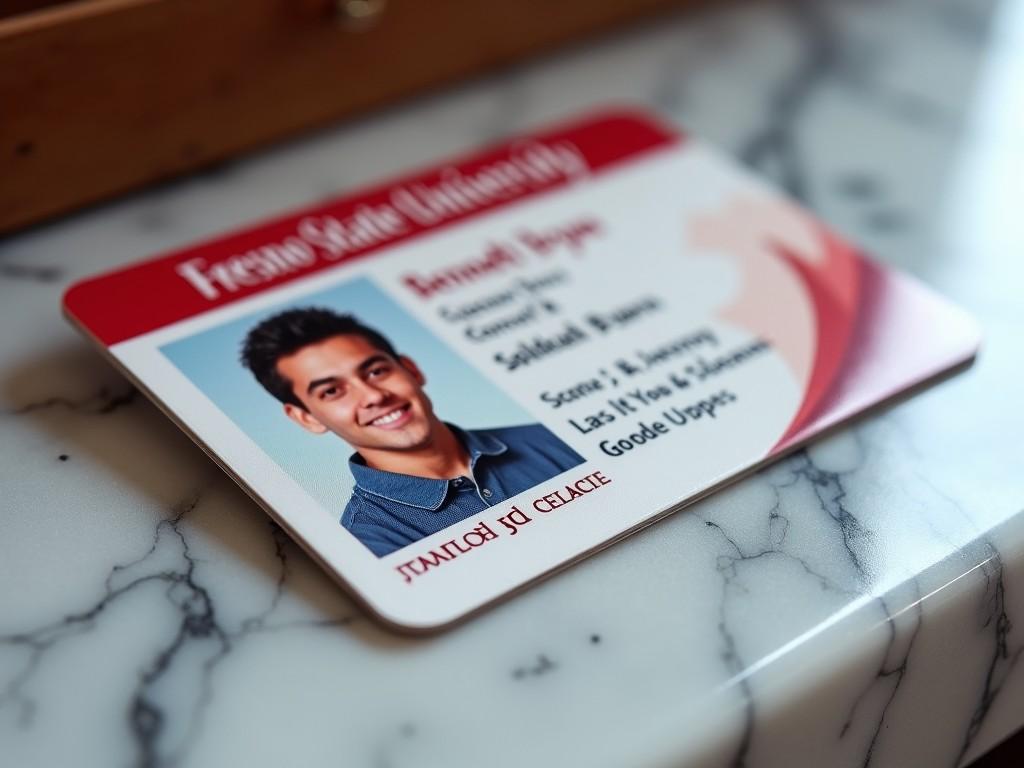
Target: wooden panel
{"type": "Point", "coordinates": [100, 96]}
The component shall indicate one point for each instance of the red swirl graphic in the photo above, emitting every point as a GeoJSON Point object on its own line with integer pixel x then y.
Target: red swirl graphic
{"type": "Point", "coordinates": [835, 289]}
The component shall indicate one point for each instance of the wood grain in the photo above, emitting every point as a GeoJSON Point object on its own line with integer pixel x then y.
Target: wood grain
{"type": "Point", "coordinates": [101, 96]}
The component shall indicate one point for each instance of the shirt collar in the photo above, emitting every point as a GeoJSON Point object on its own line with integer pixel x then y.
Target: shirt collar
{"type": "Point", "coordinates": [423, 492]}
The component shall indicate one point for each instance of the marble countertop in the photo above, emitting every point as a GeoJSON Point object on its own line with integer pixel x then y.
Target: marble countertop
{"type": "Point", "coordinates": [859, 603]}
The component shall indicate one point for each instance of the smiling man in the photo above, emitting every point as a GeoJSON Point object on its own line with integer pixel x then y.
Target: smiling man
{"type": "Point", "coordinates": [414, 474]}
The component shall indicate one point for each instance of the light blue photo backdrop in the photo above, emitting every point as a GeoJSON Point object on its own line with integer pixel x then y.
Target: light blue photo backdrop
{"type": "Point", "coordinates": [460, 394]}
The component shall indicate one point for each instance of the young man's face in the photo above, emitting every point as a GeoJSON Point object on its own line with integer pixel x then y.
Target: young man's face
{"type": "Point", "coordinates": [360, 393]}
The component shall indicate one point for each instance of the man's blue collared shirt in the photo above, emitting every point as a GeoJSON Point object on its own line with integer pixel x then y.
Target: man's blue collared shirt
{"type": "Point", "coordinates": [388, 510]}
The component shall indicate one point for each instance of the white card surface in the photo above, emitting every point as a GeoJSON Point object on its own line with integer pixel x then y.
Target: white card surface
{"type": "Point", "coordinates": [455, 383]}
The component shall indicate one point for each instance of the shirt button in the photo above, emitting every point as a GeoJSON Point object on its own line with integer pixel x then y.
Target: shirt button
{"type": "Point", "coordinates": [487, 492]}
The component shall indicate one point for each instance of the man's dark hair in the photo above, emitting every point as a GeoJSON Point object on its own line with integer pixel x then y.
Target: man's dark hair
{"type": "Point", "coordinates": [288, 332]}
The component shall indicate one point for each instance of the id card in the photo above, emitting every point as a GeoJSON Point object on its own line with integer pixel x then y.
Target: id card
{"type": "Point", "coordinates": [452, 384]}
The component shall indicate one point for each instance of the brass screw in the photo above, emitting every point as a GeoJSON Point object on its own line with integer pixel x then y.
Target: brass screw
{"type": "Point", "coordinates": [359, 15]}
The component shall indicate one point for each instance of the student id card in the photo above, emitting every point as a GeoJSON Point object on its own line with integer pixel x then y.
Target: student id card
{"type": "Point", "coordinates": [452, 384]}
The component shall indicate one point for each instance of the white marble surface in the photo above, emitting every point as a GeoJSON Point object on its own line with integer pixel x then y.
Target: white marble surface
{"type": "Point", "coordinates": [860, 603]}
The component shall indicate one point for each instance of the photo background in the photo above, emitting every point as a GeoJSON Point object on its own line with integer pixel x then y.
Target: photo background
{"type": "Point", "coordinates": [460, 394]}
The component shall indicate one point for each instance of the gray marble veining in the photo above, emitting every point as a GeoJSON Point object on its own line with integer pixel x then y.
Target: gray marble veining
{"type": "Point", "coordinates": [858, 603]}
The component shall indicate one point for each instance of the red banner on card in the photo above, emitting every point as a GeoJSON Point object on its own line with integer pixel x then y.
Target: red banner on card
{"type": "Point", "coordinates": [126, 303]}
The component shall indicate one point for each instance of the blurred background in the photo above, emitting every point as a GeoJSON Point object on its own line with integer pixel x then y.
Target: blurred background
{"type": "Point", "coordinates": [130, 127]}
